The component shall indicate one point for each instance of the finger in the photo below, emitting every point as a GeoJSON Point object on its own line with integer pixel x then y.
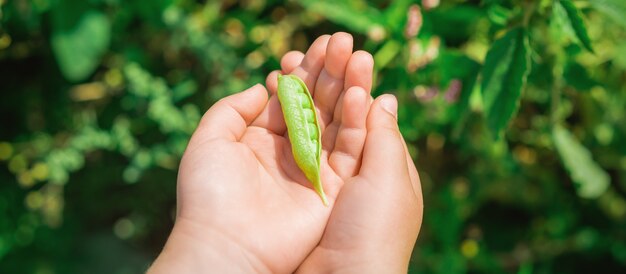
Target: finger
{"type": "Point", "coordinates": [271, 118]}
{"type": "Point", "coordinates": [309, 68]}
{"type": "Point", "coordinates": [359, 72]}
{"type": "Point", "coordinates": [272, 81]}
{"type": "Point", "coordinates": [346, 156]}
{"type": "Point", "coordinates": [230, 116]}
{"type": "Point", "coordinates": [337, 54]}
{"type": "Point", "coordinates": [330, 82]}
{"type": "Point", "coordinates": [290, 61]}
{"type": "Point", "coordinates": [384, 156]}
{"type": "Point", "coordinates": [312, 63]}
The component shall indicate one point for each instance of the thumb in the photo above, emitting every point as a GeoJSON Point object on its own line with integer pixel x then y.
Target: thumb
{"type": "Point", "coordinates": [230, 116]}
{"type": "Point", "coordinates": [383, 154]}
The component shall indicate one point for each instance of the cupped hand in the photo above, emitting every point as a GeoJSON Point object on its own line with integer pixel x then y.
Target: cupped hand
{"type": "Point", "coordinates": [377, 216]}
{"type": "Point", "coordinates": [241, 198]}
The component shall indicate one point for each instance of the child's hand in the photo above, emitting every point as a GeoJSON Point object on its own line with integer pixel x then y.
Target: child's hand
{"type": "Point", "coordinates": [378, 213]}
{"type": "Point", "coordinates": [243, 204]}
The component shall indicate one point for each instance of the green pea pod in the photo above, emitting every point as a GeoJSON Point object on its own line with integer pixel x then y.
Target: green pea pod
{"type": "Point", "coordinates": [303, 128]}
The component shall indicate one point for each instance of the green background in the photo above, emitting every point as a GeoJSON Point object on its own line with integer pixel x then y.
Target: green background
{"type": "Point", "coordinates": [514, 112]}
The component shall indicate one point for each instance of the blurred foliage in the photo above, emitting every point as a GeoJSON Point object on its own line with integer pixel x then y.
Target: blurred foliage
{"type": "Point", "coordinates": [514, 111]}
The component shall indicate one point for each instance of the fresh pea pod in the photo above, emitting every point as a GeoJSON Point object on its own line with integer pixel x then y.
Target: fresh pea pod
{"type": "Point", "coordinates": [303, 128]}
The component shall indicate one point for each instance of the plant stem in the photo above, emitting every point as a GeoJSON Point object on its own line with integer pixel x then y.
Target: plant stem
{"type": "Point", "coordinates": [528, 12]}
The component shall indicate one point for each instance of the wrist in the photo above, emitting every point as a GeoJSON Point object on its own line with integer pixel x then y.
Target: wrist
{"type": "Point", "coordinates": [189, 250]}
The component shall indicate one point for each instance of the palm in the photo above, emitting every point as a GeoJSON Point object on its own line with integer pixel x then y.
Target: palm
{"type": "Point", "coordinates": [260, 199]}
{"type": "Point", "coordinates": [249, 187]}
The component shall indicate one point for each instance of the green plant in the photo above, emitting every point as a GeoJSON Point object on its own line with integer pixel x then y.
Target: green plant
{"type": "Point", "coordinates": [526, 177]}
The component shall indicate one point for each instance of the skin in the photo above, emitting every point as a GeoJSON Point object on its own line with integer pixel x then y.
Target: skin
{"type": "Point", "coordinates": [244, 206]}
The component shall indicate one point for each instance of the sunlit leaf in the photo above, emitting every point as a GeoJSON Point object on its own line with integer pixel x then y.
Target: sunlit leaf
{"type": "Point", "coordinates": [591, 180]}
{"type": "Point", "coordinates": [395, 15]}
{"type": "Point", "coordinates": [78, 48]}
{"type": "Point", "coordinates": [575, 19]}
{"type": "Point", "coordinates": [615, 9]}
{"type": "Point", "coordinates": [340, 13]}
{"type": "Point", "coordinates": [504, 75]}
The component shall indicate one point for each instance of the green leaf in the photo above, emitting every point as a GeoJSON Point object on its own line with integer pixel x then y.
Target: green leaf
{"type": "Point", "coordinates": [591, 180]}
{"type": "Point", "coordinates": [576, 21]}
{"type": "Point", "coordinates": [78, 47]}
{"type": "Point", "coordinates": [360, 20]}
{"type": "Point", "coordinates": [396, 15]}
{"type": "Point", "coordinates": [504, 75]}
{"type": "Point", "coordinates": [498, 14]}
{"type": "Point", "coordinates": [615, 9]}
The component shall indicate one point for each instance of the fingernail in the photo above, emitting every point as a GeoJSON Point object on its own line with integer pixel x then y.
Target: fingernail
{"type": "Point", "coordinates": [390, 104]}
